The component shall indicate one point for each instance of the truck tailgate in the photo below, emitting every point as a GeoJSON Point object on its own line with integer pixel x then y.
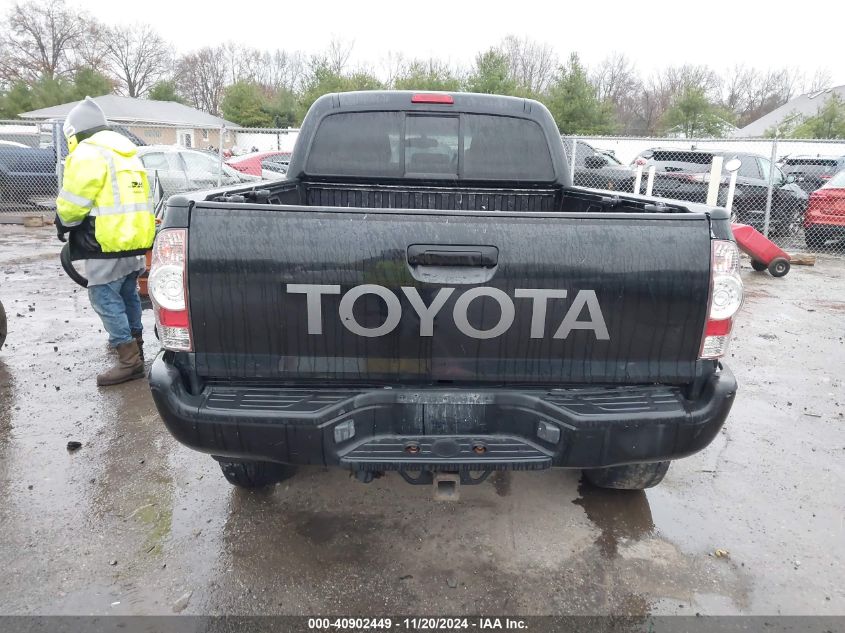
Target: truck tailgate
{"type": "Point", "coordinates": [364, 296]}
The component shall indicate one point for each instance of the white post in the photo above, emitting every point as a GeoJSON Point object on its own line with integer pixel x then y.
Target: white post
{"type": "Point", "coordinates": [58, 134]}
{"type": "Point", "coordinates": [572, 165]}
{"type": "Point", "coordinates": [729, 201]}
{"type": "Point", "coordinates": [715, 181]}
{"type": "Point", "coordinates": [771, 187]}
{"type": "Point", "coordinates": [638, 180]}
{"type": "Point", "coordinates": [649, 185]}
{"type": "Point", "coordinates": [220, 156]}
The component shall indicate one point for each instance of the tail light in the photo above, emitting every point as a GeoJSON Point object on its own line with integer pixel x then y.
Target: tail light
{"type": "Point", "coordinates": [434, 97]}
{"type": "Point", "coordinates": [169, 291]}
{"type": "Point", "coordinates": [826, 202]}
{"type": "Point", "coordinates": [725, 299]}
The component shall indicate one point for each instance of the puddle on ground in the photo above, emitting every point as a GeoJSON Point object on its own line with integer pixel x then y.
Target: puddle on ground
{"type": "Point", "coordinates": [619, 514]}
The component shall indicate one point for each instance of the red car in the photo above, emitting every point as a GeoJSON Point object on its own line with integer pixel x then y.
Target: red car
{"type": "Point", "coordinates": [825, 217]}
{"type": "Point", "coordinates": [263, 164]}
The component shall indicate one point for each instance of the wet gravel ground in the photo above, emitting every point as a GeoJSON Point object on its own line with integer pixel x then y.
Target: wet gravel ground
{"type": "Point", "coordinates": [133, 522]}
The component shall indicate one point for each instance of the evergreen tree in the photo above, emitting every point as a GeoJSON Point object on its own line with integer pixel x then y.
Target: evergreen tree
{"type": "Point", "coordinates": [574, 104]}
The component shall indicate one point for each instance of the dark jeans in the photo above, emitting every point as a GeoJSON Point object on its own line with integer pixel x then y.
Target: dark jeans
{"type": "Point", "coordinates": [119, 307]}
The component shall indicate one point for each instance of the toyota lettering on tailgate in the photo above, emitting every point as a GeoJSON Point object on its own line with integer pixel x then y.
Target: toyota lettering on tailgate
{"type": "Point", "coordinates": [583, 301]}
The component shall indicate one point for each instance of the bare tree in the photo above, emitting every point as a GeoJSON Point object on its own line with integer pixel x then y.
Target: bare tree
{"type": "Point", "coordinates": [271, 70]}
{"type": "Point", "coordinates": [241, 62]}
{"type": "Point", "coordinates": [91, 49]}
{"type": "Point", "coordinates": [139, 57]}
{"type": "Point", "coordinates": [38, 40]}
{"type": "Point", "coordinates": [393, 65]}
{"type": "Point", "coordinates": [750, 93]}
{"type": "Point", "coordinates": [674, 80]}
{"type": "Point", "coordinates": [653, 102]}
{"type": "Point", "coordinates": [616, 81]}
{"type": "Point", "coordinates": [338, 53]}
{"type": "Point", "coordinates": [285, 70]}
{"type": "Point", "coordinates": [201, 78]}
{"type": "Point", "coordinates": [820, 80]}
{"type": "Point", "coordinates": [659, 92]}
{"type": "Point", "coordinates": [736, 87]}
{"type": "Point", "coordinates": [615, 78]}
{"type": "Point", "coordinates": [532, 64]}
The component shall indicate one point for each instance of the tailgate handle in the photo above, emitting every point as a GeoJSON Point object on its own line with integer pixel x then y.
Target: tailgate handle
{"type": "Point", "coordinates": [439, 255]}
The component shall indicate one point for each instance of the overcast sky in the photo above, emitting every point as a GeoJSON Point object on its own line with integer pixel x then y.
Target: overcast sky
{"type": "Point", "coordinates": [762, 33]}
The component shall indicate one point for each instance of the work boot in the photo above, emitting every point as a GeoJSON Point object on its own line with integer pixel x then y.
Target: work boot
{"type": "Point", "coordinates": [138, 335]}
{"type": "Point", "coordinates": [129, 366]}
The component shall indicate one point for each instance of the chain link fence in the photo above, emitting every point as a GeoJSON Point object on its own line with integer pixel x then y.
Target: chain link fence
{"type": "Point", "coordinates": [793, 191]}
{"type": "Point", "coordinates": [177, 158]}
{"type": "Point", "coordinates": [28, 167]}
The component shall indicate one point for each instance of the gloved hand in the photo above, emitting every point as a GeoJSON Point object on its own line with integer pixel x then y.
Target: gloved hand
{"type": "Point", "coordinates": [60, 231]}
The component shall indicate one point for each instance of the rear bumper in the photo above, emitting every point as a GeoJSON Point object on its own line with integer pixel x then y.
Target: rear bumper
{"type": "Point", "coordinates": [447, 429]}
{"type": "Point", "coordinates": [825, 221]}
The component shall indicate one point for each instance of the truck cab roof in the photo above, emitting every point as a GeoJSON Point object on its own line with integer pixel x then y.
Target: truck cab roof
{"type": "Point", "coordinates": [407, 135]}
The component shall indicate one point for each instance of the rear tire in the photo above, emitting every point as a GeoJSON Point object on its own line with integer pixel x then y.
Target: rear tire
{"type": "Point", "coordinates": [628, 477]}
{"type": "Point", "coordinates": [758, 266]}
{"type": "Point", "coordinates": [779, 267]}
{"type": "Point", "coordinates": [251, 475]}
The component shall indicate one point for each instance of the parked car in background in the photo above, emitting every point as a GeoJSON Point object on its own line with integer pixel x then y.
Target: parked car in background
{"type": "Point", "coordinates": [28, 174]}
{"type": "Point", "coordinates": [268, 165]}
{"type": "Point", "coordinates": [825, 217]}
{"type": "Point", "coordinates": [812, 172]}
{"type": "Point", "coordinates": [180, 170]}
{"type": "Point", "coordinates": [598, 169]}
{"type": "Point", "coordinates": [685, 175]}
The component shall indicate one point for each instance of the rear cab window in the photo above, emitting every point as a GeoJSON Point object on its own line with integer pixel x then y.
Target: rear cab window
{"type": "Point", "coordinates": [458, 146]}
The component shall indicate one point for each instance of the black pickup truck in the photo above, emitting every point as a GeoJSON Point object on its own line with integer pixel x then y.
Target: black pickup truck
{"type": "Point", "coordinates": [427, 293]}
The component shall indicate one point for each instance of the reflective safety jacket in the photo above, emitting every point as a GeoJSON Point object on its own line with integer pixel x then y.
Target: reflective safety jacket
{"type": "Point", "coordinates": [105, 199]}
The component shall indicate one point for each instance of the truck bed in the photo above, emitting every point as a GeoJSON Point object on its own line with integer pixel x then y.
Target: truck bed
{"type": "Point", "coordinates": [447, 198]}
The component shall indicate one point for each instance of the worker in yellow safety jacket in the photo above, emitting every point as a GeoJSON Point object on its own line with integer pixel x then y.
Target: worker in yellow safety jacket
{"type": "Point", "coordinates": [106, 206]}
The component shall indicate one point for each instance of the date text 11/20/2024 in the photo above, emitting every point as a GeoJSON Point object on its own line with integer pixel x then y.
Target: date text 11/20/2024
{"type": "Point", "coordinates": [417, 624]}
